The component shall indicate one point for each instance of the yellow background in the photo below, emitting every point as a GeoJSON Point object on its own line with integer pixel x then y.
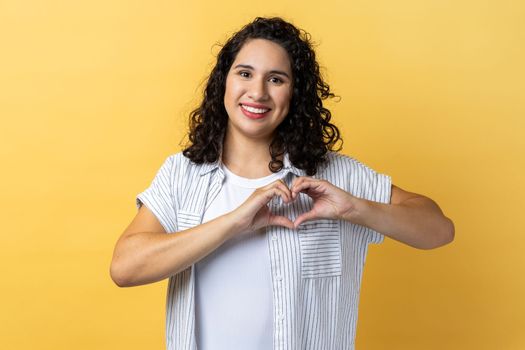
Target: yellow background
{"type": "Point", "coordinates": [94, 96]}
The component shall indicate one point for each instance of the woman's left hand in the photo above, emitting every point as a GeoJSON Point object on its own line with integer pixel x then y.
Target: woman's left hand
{"type": "Point", "coordinates": [329, 201]}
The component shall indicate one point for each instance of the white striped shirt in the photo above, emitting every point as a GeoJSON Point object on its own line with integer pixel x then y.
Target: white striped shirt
{"type": "Point", "coordinates": [316, 270]}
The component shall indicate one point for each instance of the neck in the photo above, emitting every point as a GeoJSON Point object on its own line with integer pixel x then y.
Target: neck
{"type": "Point", "coordinates": [246, 157]}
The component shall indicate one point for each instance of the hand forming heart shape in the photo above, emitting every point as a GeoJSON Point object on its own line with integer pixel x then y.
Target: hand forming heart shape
{"type": "Point", "coordinates": [329, 202]}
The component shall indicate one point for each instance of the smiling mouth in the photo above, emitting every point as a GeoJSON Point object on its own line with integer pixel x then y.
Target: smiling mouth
{"type": "Point", "coordinates": [255, 110]}
{"type": "Point", "coordinates": [255, 113]}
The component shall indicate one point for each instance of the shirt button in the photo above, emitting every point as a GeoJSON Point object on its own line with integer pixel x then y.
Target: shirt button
{"type": "Point", "coordinates": [274, 237]}
{"type": "Point", "coordinates": [279, 277]}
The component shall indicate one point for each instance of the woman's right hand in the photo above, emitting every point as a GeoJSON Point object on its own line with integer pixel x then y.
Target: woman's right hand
{"type": "Point", "coordinates": [254, 213]}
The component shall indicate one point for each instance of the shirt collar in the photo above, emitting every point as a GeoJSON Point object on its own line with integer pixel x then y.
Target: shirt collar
{"type": "Point", "coordinates": [287, 166]}
{"type": "Point", "coordinates": [207, 167]}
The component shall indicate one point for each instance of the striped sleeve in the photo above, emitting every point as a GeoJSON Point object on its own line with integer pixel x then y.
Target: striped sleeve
{"type": "Point", "coordinates": [159, 198]}
{"type": "Point", "coordinates": [381, 186]}
{"type": "Point", "coordinates": [365, 182]}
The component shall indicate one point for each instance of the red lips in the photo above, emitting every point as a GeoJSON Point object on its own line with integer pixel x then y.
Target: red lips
{"type": "Point", "coordinates": [252, 115]}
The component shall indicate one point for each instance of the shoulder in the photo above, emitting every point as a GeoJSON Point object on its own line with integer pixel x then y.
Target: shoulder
{"type": "Point", "coordinates": [356, 177]}
{"type": "Point", "coordinates": [342, 164]}
{"type": "Point", "coordinates": [184, 169]}
{"type": "Point", "coordinates": [178, 158]}
{"type": "Point", "coordinates": [180, 161]}
{"type": "Point", "coordinates": [179, 172]}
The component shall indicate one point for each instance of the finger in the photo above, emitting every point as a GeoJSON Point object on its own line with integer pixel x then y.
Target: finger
{"type": "Point", "coordinates": [285, 195]}
{"type": "Point", "coordinates": [308, 216]}
{"type": "Point", "coordinates": [305, 186]}
{"type": "Point", "coordinates": [286, 189]}
{"type": "Point", "coordinates": [280, 221]}
{"type": "Point", "coordinates": [281, 186]}
{"type": "Point", "coordinates": [269, 193]}
{"type": "Point", "coordinates": [283, 191]}
{"type": "Point", "coordinates": [297, 182]}
{"type": "Point", "coordinates": [294, 183]}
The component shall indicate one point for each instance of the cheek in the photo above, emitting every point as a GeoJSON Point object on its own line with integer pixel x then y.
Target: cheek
{"type": "Point", "coordinates": [229, 83]}
{"type": "Point", "coordinates": [226, 99]}
{"type": "Point", "coordinates": [231, 93]}
{"type": "Point", "coordinates": [285, 100]}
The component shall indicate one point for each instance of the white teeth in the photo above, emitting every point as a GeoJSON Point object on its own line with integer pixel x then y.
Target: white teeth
{"type": "Point", "coordinates": [255, 110]}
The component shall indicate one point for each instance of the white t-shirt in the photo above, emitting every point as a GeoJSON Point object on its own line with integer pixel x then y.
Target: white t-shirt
{"type": "Point", "coordinates": [233, 286]}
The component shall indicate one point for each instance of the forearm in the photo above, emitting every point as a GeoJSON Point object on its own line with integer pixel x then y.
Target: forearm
{"type": "Point", "coordinates": [148, 257]}
{"type": "Point", "coordinates": [417, 222]}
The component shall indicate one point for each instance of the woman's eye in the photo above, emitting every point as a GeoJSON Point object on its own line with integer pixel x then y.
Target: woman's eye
{"type": "Point", "coordinates": [276, 80]}
{"type": "Point", "coordinates": [244, 74]}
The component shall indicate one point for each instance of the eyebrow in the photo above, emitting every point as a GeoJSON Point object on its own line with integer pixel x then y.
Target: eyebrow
{"type": "Point", "coordinates": [280, 72]}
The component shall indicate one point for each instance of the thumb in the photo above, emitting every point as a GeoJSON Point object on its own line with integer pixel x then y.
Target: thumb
{"type": "Point", "coordinates": [304, 217]}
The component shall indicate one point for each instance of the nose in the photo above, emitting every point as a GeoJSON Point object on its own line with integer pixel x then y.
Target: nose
{"type": "Point", "coordinates": [258, 91]}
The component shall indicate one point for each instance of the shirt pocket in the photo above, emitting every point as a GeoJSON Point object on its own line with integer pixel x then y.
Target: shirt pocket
{"type": "Point", "coordinates": [320, 243]}
{"type": "Point", "coordinates": [187, 219]}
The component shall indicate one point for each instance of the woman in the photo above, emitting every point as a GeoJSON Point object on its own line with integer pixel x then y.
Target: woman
{"type": "Point", "coordinates": [268, 225]}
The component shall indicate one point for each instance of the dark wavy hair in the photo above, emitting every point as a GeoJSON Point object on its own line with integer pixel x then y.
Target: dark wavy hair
{"type": "Point", "coordinates": [306, 133]}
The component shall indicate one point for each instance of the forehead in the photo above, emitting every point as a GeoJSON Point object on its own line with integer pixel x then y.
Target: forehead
{"type": "Point", "coordinates": [263, 54]}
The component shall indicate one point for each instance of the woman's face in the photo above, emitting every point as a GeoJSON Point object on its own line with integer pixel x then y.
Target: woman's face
{"type": "Point", "coordinates": [258, 90]}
